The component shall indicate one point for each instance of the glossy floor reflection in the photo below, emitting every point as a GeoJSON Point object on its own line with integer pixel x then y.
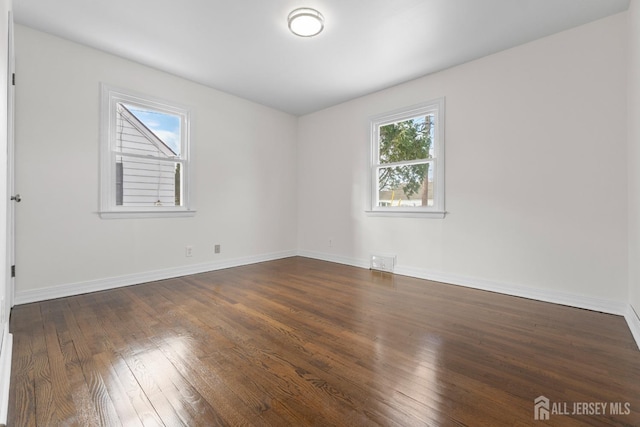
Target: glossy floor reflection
{"type": "Point", "coordinates": [306, 342]}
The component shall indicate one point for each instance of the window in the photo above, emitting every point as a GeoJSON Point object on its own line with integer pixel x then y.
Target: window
{"type": "Point", "coordinates": [144, 157]}
{"type": "Point", "coordinates": [407, 161]}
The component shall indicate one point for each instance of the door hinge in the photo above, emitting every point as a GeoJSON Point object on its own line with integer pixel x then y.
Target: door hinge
{"type": "Point", "coordinates": [13, 79]}
{"type": "Point", "coordinates": [13, 271]}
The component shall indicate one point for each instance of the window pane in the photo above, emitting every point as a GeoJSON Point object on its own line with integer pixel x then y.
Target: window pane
{"type": "Point", "coordinates": [147, 132]}
{"type": "Point", "coordinates": [148, 182]}
{"type": "Point", "coordinates": [407, 140]}
{"type": "Point", "coordinates": [119, 174]}
{"type": "Point", "coordinates": [144, 156]}
{"type": "Point", "coordinates": [405, 186]}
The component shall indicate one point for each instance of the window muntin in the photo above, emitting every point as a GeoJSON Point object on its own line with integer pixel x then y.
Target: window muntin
{"type": "Point", "coordinates": [407, 164]}
{"type": "Point", "coordinates": [145, 156]}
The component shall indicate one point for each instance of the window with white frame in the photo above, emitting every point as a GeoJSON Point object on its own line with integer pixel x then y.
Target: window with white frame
{"type": "Point", "coordinates": [144, 156]}
{"type": "Point", "coordinates": [407, 161]}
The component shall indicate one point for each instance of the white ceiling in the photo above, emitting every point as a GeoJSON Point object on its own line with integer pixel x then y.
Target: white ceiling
{"type": "Point", "coordinates": [244, 47]}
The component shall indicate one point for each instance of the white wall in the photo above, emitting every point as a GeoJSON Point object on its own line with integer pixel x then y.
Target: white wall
{"type": "Point", "coordinates": [245, 170]}
{"type": "Point", "coordinates": [536, 182]}
{"type": "Point", "coordinates": [634, 154]}
{"type": "Point", "coordinates": [536, 172]}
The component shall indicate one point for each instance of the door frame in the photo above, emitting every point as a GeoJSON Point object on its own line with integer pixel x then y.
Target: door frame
{"type": "Point", "coordinates": [11, 223]}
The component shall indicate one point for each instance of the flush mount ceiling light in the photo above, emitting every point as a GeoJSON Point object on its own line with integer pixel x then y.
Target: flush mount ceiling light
{"type": "Point", "coordinates": [306, 22]}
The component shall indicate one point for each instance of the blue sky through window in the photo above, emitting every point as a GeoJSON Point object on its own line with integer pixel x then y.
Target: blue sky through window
{"type": "Point", "coordinates": [165, 126]}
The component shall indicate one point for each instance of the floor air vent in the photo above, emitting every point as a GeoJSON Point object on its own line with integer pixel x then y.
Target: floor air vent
{"type": "Point", "coordinates": [383, 262]}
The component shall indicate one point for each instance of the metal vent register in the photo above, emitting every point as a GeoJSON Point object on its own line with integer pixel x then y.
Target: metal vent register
{"type": "Point", "coordinates": [383, 262]}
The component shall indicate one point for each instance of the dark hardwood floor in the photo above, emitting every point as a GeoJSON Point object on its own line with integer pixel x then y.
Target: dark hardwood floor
{"type": "Point", "coordinates": [305, 342]}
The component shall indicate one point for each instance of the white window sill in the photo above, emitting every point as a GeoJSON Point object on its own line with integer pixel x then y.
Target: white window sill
{"type": "Point", "coordinates": [407, 214]}
{"type": "Point", "coordinates": [145, 214]}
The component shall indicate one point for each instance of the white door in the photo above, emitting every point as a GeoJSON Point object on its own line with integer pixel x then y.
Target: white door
{"type": "Point", "coordinates": [6, 288]}
{"type": "Point", "coordinates": [15, 198]}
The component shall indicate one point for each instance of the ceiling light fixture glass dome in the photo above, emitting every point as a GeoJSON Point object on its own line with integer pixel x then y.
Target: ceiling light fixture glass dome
{"type": "Point", "coordinates": [306, 22]}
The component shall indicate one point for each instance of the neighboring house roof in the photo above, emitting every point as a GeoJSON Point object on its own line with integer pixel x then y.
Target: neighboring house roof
{"type": "Point", "coordinates": [145, 131]}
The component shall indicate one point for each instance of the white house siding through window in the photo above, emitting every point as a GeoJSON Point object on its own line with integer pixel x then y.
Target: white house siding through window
{"type": "Point", "coordinates": [145, 172]}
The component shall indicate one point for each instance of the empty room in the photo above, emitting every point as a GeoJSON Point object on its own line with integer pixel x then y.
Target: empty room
{"type": "Point", "coordinates": [331, 213]}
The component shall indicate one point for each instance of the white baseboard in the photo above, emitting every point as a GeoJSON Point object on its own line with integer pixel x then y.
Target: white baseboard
{"type": "Point", "coordinates": [25, 297]}
{"type": "Point", "coordinates": [619, 308]}
{"type": "Point", "coordinates": [5, 373]}
{"type": "Point", "coordinates": [633, 320]}
{"type": "Point", "coordinates": [556, 297]}
{"type": "Point", "coordinates": [546, 295]}
{"type": "Point", "coordinates": [334, 258]}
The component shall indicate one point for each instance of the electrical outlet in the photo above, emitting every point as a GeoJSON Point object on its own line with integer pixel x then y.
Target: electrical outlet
{"type": "Point", "coordinates": [216, 249]}
{"type": "Point", "coordinates": [188, 251]}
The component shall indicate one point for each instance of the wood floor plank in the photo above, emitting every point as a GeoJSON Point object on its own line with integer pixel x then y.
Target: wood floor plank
{"type": "Point", "coordinates": [124, 382]}
{"type": "Point", "coordinates": [202, 378]}
{"type": "Point", "coordinates": [92, 375]}
{"type": "Point", "coordinates": [240, 329]}
{"type": "Point", "coordinates": [306, 342]}
{"type": "Point", "coordinates": [86, 411]}
{"type": "Point", "coordinates": [63, 405]}
{"type": "Point", "coordinates": [113, 346]}
{"type": "Point", "coordinates": [22, 397]}
{"type": "Point", "coordinates": [171, 354]}
{"type": "Point", "coordinates": [117, 392]}
{"type": "Point", "coordinates": [45, 409]}
{"type": "Point", "coordinates": [173, 386]}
